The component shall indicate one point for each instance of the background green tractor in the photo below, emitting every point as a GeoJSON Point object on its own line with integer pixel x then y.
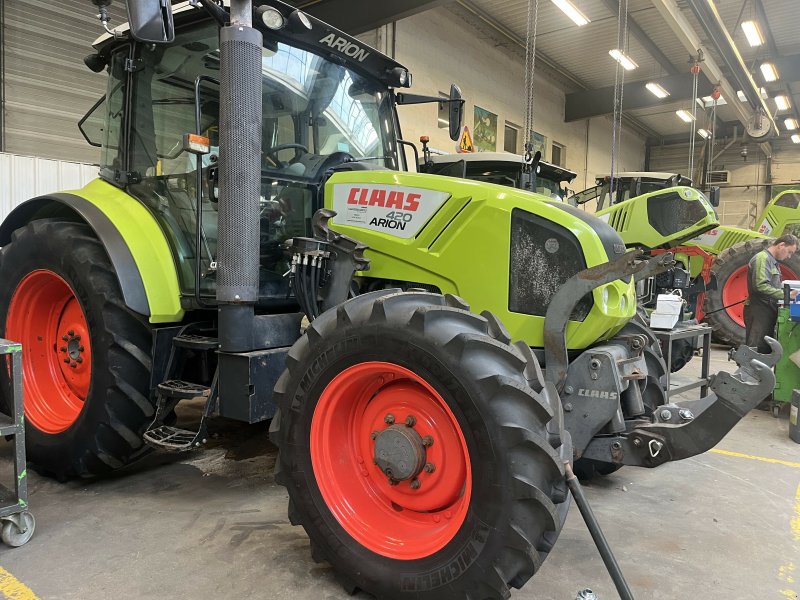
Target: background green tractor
{"type": "Point", "coordinates": [714, 261]}
{"type": "Point", "coordinates": [252, 178]}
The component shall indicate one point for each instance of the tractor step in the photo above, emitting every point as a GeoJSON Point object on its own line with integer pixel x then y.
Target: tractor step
{"type": "Point", "coordinates": [195, 342]}
{"type": "Point", "coordinates": [173, 439]}
{"type": "Point", "coordinates": [183, 390]}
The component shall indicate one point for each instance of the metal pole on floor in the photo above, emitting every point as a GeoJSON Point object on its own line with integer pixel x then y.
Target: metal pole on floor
{"type": "Point", "coordinates": [597, 535]}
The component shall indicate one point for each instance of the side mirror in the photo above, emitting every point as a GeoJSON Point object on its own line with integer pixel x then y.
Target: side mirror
{"type": "Point", "coordinates": [713, 195]}
{"type": "Point", "coordinates": [456, 116]}
{"type": "Point", "coordinates": [151, 21]}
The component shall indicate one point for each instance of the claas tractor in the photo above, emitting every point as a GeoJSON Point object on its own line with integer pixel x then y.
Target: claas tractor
{"type": "Point", "coordinates": [432, 354]}
{"type": "Point", "coordinates": [713, 262]}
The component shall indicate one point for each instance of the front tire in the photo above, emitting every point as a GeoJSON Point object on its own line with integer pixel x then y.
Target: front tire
{"type": "Point", "coordinates": [486, 514]}
{"type": "Point", "coordinates": [86, 356]}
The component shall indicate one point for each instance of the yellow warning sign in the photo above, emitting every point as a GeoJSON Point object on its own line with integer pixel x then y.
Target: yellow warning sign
{"type": "Point", "coordinates": [466, 145]}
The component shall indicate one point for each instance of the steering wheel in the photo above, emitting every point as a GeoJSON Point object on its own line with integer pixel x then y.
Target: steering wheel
{"type": "Point", "coordinates": [271, 152]}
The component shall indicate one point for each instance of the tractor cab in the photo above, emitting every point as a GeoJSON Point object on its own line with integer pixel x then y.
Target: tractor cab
{"type": "Point", "coordinates": [328, 104]}
{"type": "Point", "coordinates": [627, 185]}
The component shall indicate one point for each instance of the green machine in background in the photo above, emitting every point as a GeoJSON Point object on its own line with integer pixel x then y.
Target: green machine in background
{"type": "Point", "coordinates": [787, 373]}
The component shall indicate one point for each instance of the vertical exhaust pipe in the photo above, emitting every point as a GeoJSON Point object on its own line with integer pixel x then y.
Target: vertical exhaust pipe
{"type": "Point", "coordinates": [239, 178]}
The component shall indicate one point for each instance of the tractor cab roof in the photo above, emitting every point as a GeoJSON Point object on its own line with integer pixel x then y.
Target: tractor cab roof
{"type": "Point", "coordinates": [650, 175]}
{"type": "Point", "coordinates": [495, 160]}
{"type": "Point", "coordinates": [322, 39]}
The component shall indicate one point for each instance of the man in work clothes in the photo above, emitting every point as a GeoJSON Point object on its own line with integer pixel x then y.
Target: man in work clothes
{"type": "Point", "coordinates": [764, 290]}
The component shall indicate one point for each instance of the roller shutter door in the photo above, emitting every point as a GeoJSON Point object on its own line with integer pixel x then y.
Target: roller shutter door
{"type": "Point", "coordinates": [47, 86]}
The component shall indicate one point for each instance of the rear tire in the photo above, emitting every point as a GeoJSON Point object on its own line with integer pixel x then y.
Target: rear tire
{"type": "Point", "coordinates": [730, 270]}
{"type": "Point", "coordinates": [96, 425]}
{"type": "Point", "coordinates": [496, 520]}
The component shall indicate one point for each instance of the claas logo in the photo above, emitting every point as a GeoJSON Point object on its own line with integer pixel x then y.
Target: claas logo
{"type": "Point", "coordinates": [384, 198]}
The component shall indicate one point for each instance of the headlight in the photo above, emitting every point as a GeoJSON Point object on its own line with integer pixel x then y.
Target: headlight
{"type": "Point", "coordinates": [271, 17]}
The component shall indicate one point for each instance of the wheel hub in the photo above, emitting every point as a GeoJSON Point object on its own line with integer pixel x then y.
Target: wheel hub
{"type": "Point", "coordinates": [399, 452]}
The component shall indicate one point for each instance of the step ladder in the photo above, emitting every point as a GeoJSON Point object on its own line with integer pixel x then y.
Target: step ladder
{"type": "Point", "coordinates": [170, 392]}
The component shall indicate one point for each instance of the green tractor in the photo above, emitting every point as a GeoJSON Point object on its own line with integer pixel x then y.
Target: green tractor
{"type": "Point", "coordinates": [433, 353]}
{"type": "Point", "coordinates": [713, 261]}
{"type": "Point", "coordinates": [656, 212]}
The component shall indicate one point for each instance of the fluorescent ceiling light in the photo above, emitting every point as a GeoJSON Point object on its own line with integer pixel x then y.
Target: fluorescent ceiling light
{"type": "Point", "coordinates": [626, 61]}
{"type": "Point", "coordinates": [703, 133]}
{"type": "Point", "coordinates": [685, 115]}
{"type": "Point", "coordinates": [796, 138]}
{"type": "Point", "coordinates": [752, 33]}
{"type": "Point", "coordinates": [741, 96]}
{"type": "Point", "coordinates": [764, 93]}
{"type": "Point", "coordinates": [709, 101]}
{"type": "Point", "coordinates": [790, 124]}
{"type": "Point", "coordinates": [657, 90]}
{"type": "Point", "coordinates": [782, 102]}
{"type": "Point", "coordinates": [769, 72]}
{"type": "Point", "coordinates": [573, 13]}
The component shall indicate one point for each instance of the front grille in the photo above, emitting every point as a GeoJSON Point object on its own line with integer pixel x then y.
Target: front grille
{"type": "Point", "coordinates": [543, 255]}
{"type": "Point", "coordinates": [669, 213]}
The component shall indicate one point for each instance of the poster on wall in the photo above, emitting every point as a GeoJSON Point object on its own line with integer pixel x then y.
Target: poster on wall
{"type": "Point", "coordinates": [539, 142]}
{"type": "Point", "coordinates": [485, 131]}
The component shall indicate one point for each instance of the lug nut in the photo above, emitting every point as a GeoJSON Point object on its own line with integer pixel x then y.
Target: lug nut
{"type": "Point", "coordinates": [80, 348]}
{"type": "Point", "coordinates": [65, 338]}
{"type": "Point", "coordinates": [430, 467]}
{"type": "Point", "coordinates": [63, 349]}
{"type": "Point", "coordinates": [373, 435]}
{"type": "Point", "coordinates": [79, 359]}
{"type": "Point", "coordinates": [73, 365]}
{"type": "Point", "coordinates": [411, 420]}
{"type": "Point", "coordinates": [70, 333]}
{"type": "Point", "coordinates": [415, 484]}
{"type": "Point", "coordinates": [427, 441]}
{"type": "Point", "coordinates": [388, 419]}
{"type": "Point", "coordinates": [66, 360]}
{"type": "Point", "coordinates": [77, 338]}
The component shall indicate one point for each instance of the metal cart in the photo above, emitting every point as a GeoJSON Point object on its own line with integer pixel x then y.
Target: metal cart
{"type": "Point", "coordinates": [683, 332]}
{"type": "Point", "coordinates": [17, 521]}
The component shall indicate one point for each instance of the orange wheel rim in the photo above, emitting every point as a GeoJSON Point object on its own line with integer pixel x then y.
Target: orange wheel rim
{"type": "Point", "coordinates": [360, 429]}
{"type": "Point", "coordinates": [46, 317]}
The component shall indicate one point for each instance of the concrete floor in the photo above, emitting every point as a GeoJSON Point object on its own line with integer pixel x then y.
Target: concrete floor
{"type": "Point", "coordinates": [721, 526]}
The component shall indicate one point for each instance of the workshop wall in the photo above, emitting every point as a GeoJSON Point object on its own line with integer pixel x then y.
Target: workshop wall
{"type": "Point", "coordinates": [439, 49]}
{"type": "Point", "coordinates": [751, 181]}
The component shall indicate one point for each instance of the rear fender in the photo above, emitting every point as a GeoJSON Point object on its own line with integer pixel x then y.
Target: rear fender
{"type": "Point", "coordinates": [131, 236]}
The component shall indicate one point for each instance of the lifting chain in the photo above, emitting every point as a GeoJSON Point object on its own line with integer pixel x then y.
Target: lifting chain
{"type": "Point", "coordinates": [530, 65]}
{"type": "Point", "coordinates": [619, 86]}
{"type": "Point", "coordinates": [695, 70]}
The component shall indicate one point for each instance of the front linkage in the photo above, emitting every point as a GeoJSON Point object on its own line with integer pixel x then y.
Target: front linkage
{"type": "Point", "coordinates": [608, 408]}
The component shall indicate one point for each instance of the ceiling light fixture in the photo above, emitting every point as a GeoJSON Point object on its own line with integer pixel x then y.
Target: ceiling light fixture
{"type": "Point", "coordinates": [740, 95]}
{"type": "Point", "coordinates": [685, 116]}
{"type": "Point", "coordinates": [626, 61]}
{"type": "Point", "coordinates": [769, 72]}
{"type": "Point", "coordinates": [764, 93]}
{"type": "Point", "coordinates": [796, 138]}
{"type": "Point", "coordinates": [573, 13]}
{"type": "Point", "coordinates": [752, 33]}
{"type": "Point", "coordinates": [704, 133]}
{"type": "Point", "coordinates": [657, 90]}
{"type": "Point", "coordinates": [790, 124]}
{"type": "Point", "coordinates": [782, 102]}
